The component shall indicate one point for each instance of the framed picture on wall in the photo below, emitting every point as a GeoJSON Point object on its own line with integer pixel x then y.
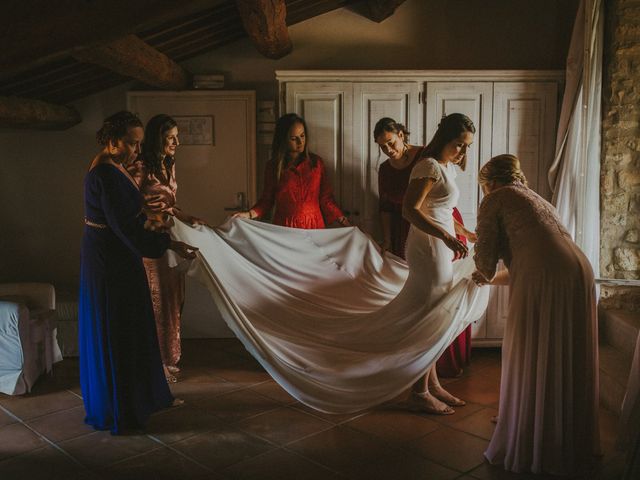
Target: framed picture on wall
{"type": "Point", "coordinates": [195, 129]}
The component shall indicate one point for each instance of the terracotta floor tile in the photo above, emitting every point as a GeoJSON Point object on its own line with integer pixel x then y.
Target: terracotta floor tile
{"type": "Point", "coordinates": [609, 425]}
{"type": "Point", "coordinates": [101, 449]}
{"type": "Point", "coordinates": [198, 386]}
{"type": "Point", "coordinates": [35, 405]}
{"type": "Point", "coordinates": [406, 466]}
{"type": "Point", "coordinates": [283, 425]}
{"type": "Point", "coordinates": [478, 389]}
{"type": "Point", "coordinates": [175, 424]}
{"type": "Point", "coordinates": [274, 391]}
{"type": "Point", "coordinates": [279, 465]}
{"type": "Point", "coordinates": [335, 418]}
{"type": "Point", "coordinates": [236, 406]}
{"type": "Point", "coordinates": [341, 449]}
{"type": "Point", "coordinates": [46, 463]}
{"type": "Point", "coordinates": [161, 464]}
{"type": "Point", "coordinates": [486, 471]}
{"type": "Point", "coordinates": [246, 372]}
{"type": "Point", "coordinates": [222, 447]}
{"type": "Point", "coordinates": [64, 425]}
{"type": "Point", "coordinates": [5, 418]}
{"type": "Point", "coordinates": [451, 448]}
{"type": "Point", "coordinates": [16, 439]}
{"type": "Point", "coordinates": [393, 426]}
{"type": "Point", "coordinates": [478, 423]}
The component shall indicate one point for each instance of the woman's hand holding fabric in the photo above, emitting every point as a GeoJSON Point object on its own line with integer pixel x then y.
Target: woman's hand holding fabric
{"type": "Point", "coordinates": [459, 249]}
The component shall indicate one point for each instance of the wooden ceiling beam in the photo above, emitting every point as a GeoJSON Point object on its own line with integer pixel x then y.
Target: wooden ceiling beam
{"type": "Point", "coordinates": [379, 10]}
{"type": "Point", "coordinates": [265, 21]}
{"type": "Point", "coordinates": [134, 58]}
{"type": "Point", "coordinates": [33, 33]}
{"type": "Point", "coordinates": [27, 113]}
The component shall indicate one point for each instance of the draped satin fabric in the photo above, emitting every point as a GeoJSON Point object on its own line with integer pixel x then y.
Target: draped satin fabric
{"type": "Point", "coordinates": [339, 327]}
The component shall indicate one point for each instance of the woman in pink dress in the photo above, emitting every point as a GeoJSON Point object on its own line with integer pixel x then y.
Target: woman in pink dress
{"type": "Point", "coordinates": [155, 174]}
{"type": "Point", "coordinates": [393, 179]}
{"type": "Point", "coordinates": [296, 182]}
{"type": "Point", "coordinates": [548, 413]}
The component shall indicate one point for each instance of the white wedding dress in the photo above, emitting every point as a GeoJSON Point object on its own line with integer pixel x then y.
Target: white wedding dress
{"type": "Point", "coordinates": [336, 325]}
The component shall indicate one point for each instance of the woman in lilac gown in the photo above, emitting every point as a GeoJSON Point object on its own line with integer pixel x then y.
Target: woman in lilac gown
{"type": "Point", "coordinates": [121, 372]}
{"type": "Point", "coordinates": [548, 412]}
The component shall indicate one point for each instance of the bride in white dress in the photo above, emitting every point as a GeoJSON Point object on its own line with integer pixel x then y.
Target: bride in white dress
{"type": "Point", "coordinates": [432, 245]}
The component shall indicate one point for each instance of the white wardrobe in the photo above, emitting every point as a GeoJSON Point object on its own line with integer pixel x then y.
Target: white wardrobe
{"type": "Point", "coordinates": [513, 111]}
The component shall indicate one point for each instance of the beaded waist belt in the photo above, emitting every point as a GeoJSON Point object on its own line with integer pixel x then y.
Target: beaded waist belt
{"type": "Point", "coordinates": [93, 224]}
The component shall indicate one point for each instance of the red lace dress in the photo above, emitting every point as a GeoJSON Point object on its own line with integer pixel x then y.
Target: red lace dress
{"type": "Point", "coordinates": [303, 197]}
{"type": "Point", "coordinates": [166, 284]}
{"type": "Point", "coordinates": [392, 186]}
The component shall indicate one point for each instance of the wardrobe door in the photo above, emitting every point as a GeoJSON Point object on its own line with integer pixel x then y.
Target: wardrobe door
{"type": "Point", "coordinates": [524, 124]}
{"type": "Point", "coordinates": [326, 108]}
{"type": "Point", "coordinates": [371, 102]}
{"type": "Point", "coordinates": [474, 99]}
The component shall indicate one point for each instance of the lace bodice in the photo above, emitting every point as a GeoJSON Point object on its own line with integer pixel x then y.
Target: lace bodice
{"type": "Point", "coordinates": [513, 220]}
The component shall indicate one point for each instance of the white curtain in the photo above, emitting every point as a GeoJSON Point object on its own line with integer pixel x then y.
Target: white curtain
{"type": "Point", "coordinates": [324, 313]}
{"type": "Point", "coordinates": [574, 176]}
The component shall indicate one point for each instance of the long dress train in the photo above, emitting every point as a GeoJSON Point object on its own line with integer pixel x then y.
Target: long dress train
{"type": "Point", "coordinates": [326, 315]}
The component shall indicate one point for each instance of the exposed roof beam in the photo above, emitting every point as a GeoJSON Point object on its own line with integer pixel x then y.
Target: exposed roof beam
{"type": "Point", "coordinates": [134, 58]}
{"type": "Point", "coordinates": [33, 32]}
{"type": "Point", "coordinates": [379, 10]}
{"type": "Point", "coordinates": [16, 112]}
{"type": "Point", "coordinates": [265, 23]}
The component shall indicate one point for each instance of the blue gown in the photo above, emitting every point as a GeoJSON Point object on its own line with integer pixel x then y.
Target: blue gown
{"type": "Point", "coordinates": [121, 372]}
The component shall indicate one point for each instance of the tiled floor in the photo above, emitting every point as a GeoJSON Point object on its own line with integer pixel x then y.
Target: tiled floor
{"type": "Point", "coordinates": [237, 423]}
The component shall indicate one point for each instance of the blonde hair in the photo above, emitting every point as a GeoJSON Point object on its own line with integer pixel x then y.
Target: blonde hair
{"type": "Point", "coordinates": [504, 169]}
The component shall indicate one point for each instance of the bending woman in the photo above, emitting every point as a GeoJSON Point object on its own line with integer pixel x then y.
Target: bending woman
{"type": "Point", "coordinates": [121, 372]}
{"type": "Point", "coordinates": [296, 182]}
{"type": "Point", "coordinates": [548, 420]}
{"type": "Point", "coordinates": [155, 174]}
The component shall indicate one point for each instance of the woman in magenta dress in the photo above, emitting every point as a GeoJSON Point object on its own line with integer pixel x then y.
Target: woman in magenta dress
{"type": "Point", "coordinates": [296, 182]}
{"type": "Point", "coordinates": [393, 179]}
{"type": "Point", "coordinates": [155, 173]}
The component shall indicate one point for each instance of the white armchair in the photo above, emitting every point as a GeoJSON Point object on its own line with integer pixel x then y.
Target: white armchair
{"type": "Point", "coordinates": [28, 345]}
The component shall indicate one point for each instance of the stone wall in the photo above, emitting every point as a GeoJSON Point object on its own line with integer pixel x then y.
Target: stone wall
{"type": "Point", "coordinates": [620, 169]}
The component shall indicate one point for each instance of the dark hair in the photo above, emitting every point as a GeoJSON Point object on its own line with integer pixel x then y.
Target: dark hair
{"type": "Point", "coordinates": [387, 124]}
{"type": "Point", "coordinates": [116, 126]}
{"type": "Point", "coordinates": [153, 145]}
{"type": "Point", "coordinates": [279, 147]}
{"type": "Point", "coordinates": [449, 128]}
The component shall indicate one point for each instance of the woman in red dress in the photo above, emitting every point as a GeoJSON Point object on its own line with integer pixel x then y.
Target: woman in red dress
{"type": "Point", "coordinates": [296, 182]}
{"type": "Point", "coordinates": [393, 179]}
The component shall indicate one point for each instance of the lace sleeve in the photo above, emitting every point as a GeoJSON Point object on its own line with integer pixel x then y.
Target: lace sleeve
{"type": "Point", "coordinates": [488, 229]}
{"type": "Point", "coordinates": [426, 168]}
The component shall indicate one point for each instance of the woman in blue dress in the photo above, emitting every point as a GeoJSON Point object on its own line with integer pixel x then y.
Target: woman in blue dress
{"type": "Point", "coordinates": [121, 373]}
